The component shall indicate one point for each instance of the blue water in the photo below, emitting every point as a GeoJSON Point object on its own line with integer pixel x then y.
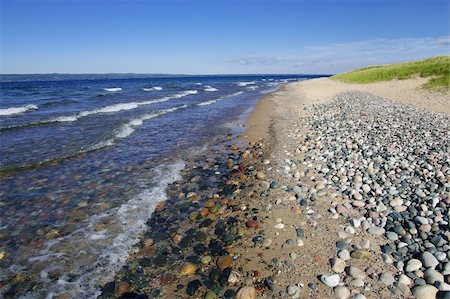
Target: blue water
{"type": "Point", "coordinates": [85, 158]}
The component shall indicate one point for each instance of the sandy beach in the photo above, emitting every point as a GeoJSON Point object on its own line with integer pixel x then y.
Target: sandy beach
{"type": "Point", "coordinates": [322, 203]}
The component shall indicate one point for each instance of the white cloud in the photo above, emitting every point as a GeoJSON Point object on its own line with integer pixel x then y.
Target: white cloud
{"type": "Point", "coordinates": [339, 57]}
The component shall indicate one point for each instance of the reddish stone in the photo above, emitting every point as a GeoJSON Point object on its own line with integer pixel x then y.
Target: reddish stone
{"type": "Point", "coordinates": [252, 224]}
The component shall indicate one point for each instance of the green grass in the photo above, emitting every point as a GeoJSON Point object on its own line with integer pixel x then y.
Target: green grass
{"type": "Point", "coordinates": [436, 68]}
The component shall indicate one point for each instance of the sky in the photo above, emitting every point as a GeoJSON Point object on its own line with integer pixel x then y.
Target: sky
{"type": "Point", "coordinates": [218, 36]}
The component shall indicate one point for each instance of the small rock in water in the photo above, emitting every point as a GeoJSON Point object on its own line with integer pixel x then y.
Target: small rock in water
{"type": "Point", "coordinates": [188, 269]}
{"type": "Point", "coordinates": [330, 280]}
{"type": "Point", "coordinates": [224, 262]}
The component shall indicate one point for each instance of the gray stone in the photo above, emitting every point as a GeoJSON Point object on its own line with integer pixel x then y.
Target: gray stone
{"type": "Point", "coordinates": [429, 260]}
{"type": "Point", "coordinates": [425, 292]}
{"type": "Point", "coordinates": [431, 276]}
{"type": "Point", "coordinates": [413, 265]}
{"type": "Point", "coordinates": [342, 292]}
{"type": "Point", "coordinates": [387, 278]}
{"type": "Point", "coordinates": [376, 230]}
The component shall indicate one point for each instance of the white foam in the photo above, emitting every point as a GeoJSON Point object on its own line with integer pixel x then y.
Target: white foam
{"type": "Point", "coordinates": [17, 110]}
{"type": "Point", "coordinates": [129, 128]}
{"type": "Point", "coordinates": [209, 88]}
{"type": "Point", "coordinates": [152, 88]}
{"type": "Point", "coordinates": [198, 83]}
{"type": "Point", "coordinates": [120, 107]}
{"type": "Point", "coordinates": [112, 89]}
{"type": "Point", "coordinates": [246, 83]}
{"type": "Point", "coordinates": [206, 103]}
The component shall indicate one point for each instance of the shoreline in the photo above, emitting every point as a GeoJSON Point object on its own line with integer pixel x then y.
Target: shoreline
{"type": "Point", "coordinates": [273, 219]}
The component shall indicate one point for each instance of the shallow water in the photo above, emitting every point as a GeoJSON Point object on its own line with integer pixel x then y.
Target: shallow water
{"type": "Point", "coordinates": [84, 160]}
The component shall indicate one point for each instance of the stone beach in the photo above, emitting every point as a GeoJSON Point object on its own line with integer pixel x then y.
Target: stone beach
{"type": "Point", "coordinates": [337, 196]}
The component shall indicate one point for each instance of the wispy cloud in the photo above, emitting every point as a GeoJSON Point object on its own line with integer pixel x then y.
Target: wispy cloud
{"type": "Point", "coordinates": [338, 57]}
{"type": "Point", "coordinates": [265, 60]}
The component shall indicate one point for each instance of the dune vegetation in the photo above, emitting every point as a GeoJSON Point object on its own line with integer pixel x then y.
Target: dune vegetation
{"type": "Point", "coordinates": [437, 69]}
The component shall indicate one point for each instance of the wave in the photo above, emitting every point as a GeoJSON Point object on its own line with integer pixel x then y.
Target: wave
{"type": "Point", "coordinates": [17, 110]}
{"type": "Point", "coordinates": [206, 103]}
{"type": "Point", "coordinates": [209, 88]}
{"type": "Point", "coordinates": [152, 88]}
{"type": "Point", "coordinates": [102, 260]}
{"type": "Point", "coordinates": [129, 128]}
{"type": "Point", "coordinates": [107, 109]}
{"type": "Point", "coordinates": [246, 83]}
{"type": "Point", "coordinates": [112, 89]}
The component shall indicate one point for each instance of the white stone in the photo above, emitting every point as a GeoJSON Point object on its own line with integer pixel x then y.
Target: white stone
{"type": "Point", "coordinates": [428, 260]}
{"type": "Point", "coordinates": [344, 254]}
{"type": "Point", "coordinates": [330, 280]}
{"type": "Point", "coordinates": [413, 265]}
{"type": "Point", "coordinates": [293, 291]}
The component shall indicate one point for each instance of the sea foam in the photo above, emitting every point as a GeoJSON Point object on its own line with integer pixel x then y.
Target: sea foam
{"type": "Point", "coordinates": [112, 89]}
{"type": "Point", "coordinates": [246, 83]}
{"type": "Point", "coordinates": [120, 107]}
{"type": "Point", "coordinates": [17, 110]}
{"type": "Point", "coordinates": [152, 88]}
{"type": "Point", "coordinates": [209, 88]}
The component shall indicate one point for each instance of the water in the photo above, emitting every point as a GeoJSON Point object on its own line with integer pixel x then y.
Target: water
{"type": "Point", "coordinates": [85, 158]}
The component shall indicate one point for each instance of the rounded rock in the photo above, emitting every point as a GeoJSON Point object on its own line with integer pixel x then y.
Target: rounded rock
{"type": "Point", "coordinates": [342, 292]}
{"type": "Point", "coordinates": [330, 280]}
{"type": "Point", "coordinates": [425, 291]}
{"type": "Point", "coordinates": [247, 292]}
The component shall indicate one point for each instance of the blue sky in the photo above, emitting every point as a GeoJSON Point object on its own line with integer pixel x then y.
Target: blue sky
{"type": "Point", "coordinates": [218, 36]}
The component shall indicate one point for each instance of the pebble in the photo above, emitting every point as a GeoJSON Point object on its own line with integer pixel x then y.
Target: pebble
{"type": "Point", "coordinates": [188, 269]}
{"type": "Point", "coordinates": [234, 277]}
{"type": "Point", "coordinates": [387, 278]}
{"type": "Point", "coordinates": [247, 292]}
{"type": "Point", "coordinates": [210, 295]}
{"type": "Point", "coordinates": [376, 230]}
{"type": "Point", "coordinates": [342, 292]}
{"type": "Point", "coordinates": [252, 224]}
{"type": "Point", "coordinates": [122, 288]}
{"type": "Point", "coordinates": [279, 226]}
{"type": "Point", "coordinates": [260, 175]}
{"type": "Point", "coordinates": [360, 296]}
{"type": "Point", "coordinates": [413, 265]}
{"type": "Point", "coordinates": [224, 261]}
{"type": "Point", "coordinates": [424, 292]}
{"type": "Point", "coordinates": [429, 260]}
{"type": "Point", "coordinates": [344, 254]}
{"type": "Point", "coordinates": [431, 276]}
{"type": "Point", "coordinates": [361, 254]}
{"type": "Point", "coordinates": [337, 265]}
{"type": "Point", "coordinates": [356, 273]}
{"type": "Point", "coordinates": [293, 291]}
{"type": "Point", "coordinates": [330, 280]}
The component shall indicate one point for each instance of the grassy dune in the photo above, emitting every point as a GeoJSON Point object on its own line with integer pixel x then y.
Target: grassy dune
{"type": "Point", "coordinates": [436, 68]}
